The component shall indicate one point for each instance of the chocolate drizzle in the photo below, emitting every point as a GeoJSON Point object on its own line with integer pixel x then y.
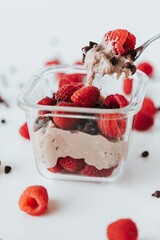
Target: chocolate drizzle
{"type": "Point", "coordinates": [87, 48]}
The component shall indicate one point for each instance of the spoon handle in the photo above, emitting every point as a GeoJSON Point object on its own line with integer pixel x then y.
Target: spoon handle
{"type": "Point", "coordinates": [137, 52]}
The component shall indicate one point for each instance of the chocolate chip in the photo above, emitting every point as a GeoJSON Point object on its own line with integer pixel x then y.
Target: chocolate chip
{"type": "Point", "coordinates": [40, 122]}
{"type": "Point", "coordinates": [130, 66]}
{"type": "Point", "coordinates": [90, 127]}
{"type": "Point", "coordinates": [127, 65]}
{"type": "Point", "coordinates": [114, 61]}
{"type": "Point", "coordinates": [91, 44]}
{"type": "Point", "coordinates": [145, 154]}
{"type": "Point", "coordinates": [7, 169]}
{"type": "Point", "coordinates": [133, 55]}
{"type": "Point", "coordinates": [86, 49]}
{"type": "Point", "coordinates": [133, 69]}
{"type": "Point", "coordinates": [3, 121]}
{"type": "Point", "coordinates": [156, 194]}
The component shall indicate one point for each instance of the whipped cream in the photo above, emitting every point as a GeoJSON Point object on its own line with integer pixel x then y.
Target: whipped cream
{"type": "Point", "coordinates": [52, 143]}
{"type": "Point", "coordinates": [102, 59]}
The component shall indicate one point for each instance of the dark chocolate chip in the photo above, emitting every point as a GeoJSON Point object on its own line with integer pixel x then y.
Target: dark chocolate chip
{"type": "Point", "coordinates": [145, 154]}
{"type": "Point", "coordinates": [91, 44]}
{"type": "Point", "coordinates": [127, 65]}
{"type": "Point", "coordinates": [3, 121]}
{"type": "Point", "coordinates": [133, 55]}
{"type": "Point", "coordinates": [90, 127]}
{"type": "Point", "coordinates": [133, 69]}
{"type": "Point", "coordinates": [114, 61]}
{"type": "Point", "coordinates": [156, 194]}
{"type": "Point", "coordinates": [7, 169]}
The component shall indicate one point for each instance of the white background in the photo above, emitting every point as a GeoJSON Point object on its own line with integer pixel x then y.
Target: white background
{"type": "Point", "coordinates": [32, 32]}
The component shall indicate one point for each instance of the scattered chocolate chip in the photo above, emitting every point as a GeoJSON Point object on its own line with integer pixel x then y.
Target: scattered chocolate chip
{"type": "Point", "coordinates": [114, 61]}
{"type": "Point", "coordinates": [145, 154]}
{"type": "Point", "coordinates": [3, 121]}
{"type": "Point", "coordinates": [7, 169]}
{"type": "Point", "coordinates": [158, 108]}
{"type": "Point", "coordinates": [156, 194]}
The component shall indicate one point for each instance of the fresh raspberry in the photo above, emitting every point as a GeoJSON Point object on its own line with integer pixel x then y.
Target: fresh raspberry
{"type": "Point", "coordinates": [64, 93]}
{"type": "Point", "coordinates": [79, 62]}
{"type": "Point", "coordinates": [148, 106]}
{"type": "Point", "coordinates": [127, 85]}
{"type": "Point", "coordinates": [86, 96]}
{"type": "Point", "coordinates": [66, 123]}
{"type": "Point", "coordinates": [71, 164]}
{"type": "Point", "coordinates": [112, 125]}
{"type": "Point", "coordinates": [115, 101]}
{"type": "Point", "coordinates": [92, 171]}
{"type": "Point", "coordinates": [146, 67]}
{"type": "Point", "coordinates": [34, 200]}
{"type": "Point", "coordinates": [47, 101]}
{"type": "Point", "coordinates": [122, 229]}
{"type": "Point", "coordinates": [122, 41]}
{"type": "Point", "coordinates": [56, 169]}
{"type": "Point", "coordinates": [74, 78]}
{"type": "Point", "coordinates": [24, 131]}
{"type": "Point", "coordinates": [142, 121]}
{"type": "Point", "coordinates": [53, 62]}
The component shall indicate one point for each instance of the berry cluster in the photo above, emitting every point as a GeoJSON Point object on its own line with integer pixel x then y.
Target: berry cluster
{"type": "Point", "coordinates": [75, 94]}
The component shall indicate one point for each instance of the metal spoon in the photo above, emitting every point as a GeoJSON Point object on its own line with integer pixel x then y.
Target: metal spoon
{"type": "Point", "coordinates": [137, 52]}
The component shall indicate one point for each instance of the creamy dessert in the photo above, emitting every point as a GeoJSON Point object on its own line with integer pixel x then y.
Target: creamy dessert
{"type": "Point", "coordinates": [96, 150]}
{"type": "Point", "coordinates": [111, 56]}
{"type": "Point", "coordinates": [68, 140]}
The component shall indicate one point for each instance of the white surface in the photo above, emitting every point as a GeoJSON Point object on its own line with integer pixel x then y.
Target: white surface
{"type": "Point", "coordinates": [29, 32]}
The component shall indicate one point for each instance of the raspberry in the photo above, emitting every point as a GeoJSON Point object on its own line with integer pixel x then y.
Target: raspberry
{"type": "Point", "coordinates": [122, 41]}
{"type": "Point", "coordinates": [74, 78]}
{"type": "Point", "coordinates": [56, 169]}
{"type": "Point", "coordinates": [65, 122]}
{"type": "Point", "coordinates": [127, 85]}
{"type": "Point", "coordinates": [34, 200]}
{"type": "Point", "coordinates": [79, 62]}
{"type": "Point", "coordinates": [52, 62]}
{"type": "Point", "coordinates": [47, 101]}
{"type": "Point", "coordinates": [24, 131]}
{"type": "Point", "coordinates": [146, 67]}
{"type": "Point", "coordinates": [148, 106]}
{"type": "Point", "coordinates": [142, 121]}
{"type": "Point", "coordinates": [92, 171]}
{"type": "Point", "coordinates": [86, 96]}
{"type": "Point", "coordinates": [66, 91]}
{"type": "Point", "coordinates": [71, 164]}
{"type": "Point", "coordinates": [112, 125]}
{"type": "Point", "coordinates": [115, 101]}
{"type": "Point", "coordinates": [122, 229]}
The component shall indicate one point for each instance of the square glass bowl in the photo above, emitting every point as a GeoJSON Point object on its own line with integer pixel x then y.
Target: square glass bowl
{"type": "Point", "coordinates": [95, 147]}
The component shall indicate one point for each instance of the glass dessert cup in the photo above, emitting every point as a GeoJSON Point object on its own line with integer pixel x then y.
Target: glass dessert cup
{"type": "Point", "coordinates": [95, 148]}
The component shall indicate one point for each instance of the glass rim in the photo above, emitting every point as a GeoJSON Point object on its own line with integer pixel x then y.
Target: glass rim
{"type": "Point", "coordinates": [27, 105]}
